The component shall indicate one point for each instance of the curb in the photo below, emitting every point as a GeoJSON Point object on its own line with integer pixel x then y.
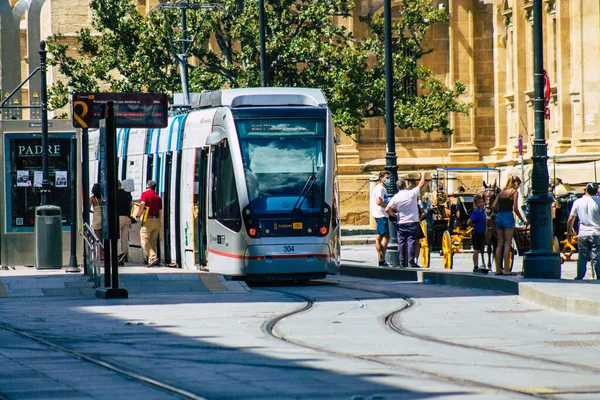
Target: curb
{"type": "Point", "coordinates": [431, 277]}
{"type": "Point", "coordinates": [470, 280]}
{"type": "Point", "coordinates": [576, 306]}
{"type": "Point", "coordinates": [380, 272]}
{"type": "Point", "coordinates": [528, 290]}
{"type": "Point", "coordinates": [349, 241]}
{"type": "Point", "coordinates": [357, 231]}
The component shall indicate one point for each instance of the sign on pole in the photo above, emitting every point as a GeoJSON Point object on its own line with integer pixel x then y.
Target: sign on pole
{"type": "Point", "coordinates": [132, 110]}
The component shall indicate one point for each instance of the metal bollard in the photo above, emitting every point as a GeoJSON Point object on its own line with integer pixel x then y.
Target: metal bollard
{"type": "Point", "coordinates": [391, 255]}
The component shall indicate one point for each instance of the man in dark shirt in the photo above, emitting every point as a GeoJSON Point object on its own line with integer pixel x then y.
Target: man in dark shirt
{"type": "Point", "coordinates": [150, 227]}
{"type": "Point", "coordinates": [124, 203]}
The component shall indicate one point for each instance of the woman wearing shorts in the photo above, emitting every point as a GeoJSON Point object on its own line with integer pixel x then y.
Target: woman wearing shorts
{"type": "Point", "coordinates": [506, 204]}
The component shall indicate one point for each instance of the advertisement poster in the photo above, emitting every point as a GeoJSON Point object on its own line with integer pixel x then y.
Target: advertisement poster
{"type": "Point", "coordinates": [37, 178]}
{"type": "Point", "coordinates": [60, 179]}
{"type": "Point", "coordinates": [23, 179]}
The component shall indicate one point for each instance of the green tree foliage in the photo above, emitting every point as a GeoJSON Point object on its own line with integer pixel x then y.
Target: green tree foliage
{"type": "Point", "coordinates": [421, 100]}
{"type": "Point", "coordinates": [125, 51]}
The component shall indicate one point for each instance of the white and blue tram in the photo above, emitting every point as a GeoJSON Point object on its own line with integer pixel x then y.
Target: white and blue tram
{"type": "Point", "coordinates": [248, 180]}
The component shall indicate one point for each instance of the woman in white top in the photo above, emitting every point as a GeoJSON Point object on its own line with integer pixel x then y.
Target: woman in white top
{"type": "Point", "coordinates": [379, 200]}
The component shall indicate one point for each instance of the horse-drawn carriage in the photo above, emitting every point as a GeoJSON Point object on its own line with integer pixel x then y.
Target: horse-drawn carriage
{"type": "Point", "coordinates": [444, 226]}
{"type": "Point", "coordinates": [560, 243]}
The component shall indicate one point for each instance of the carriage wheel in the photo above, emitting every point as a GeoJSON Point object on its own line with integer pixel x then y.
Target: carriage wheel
{"type": "Point", "coordinates": [556, 248]}
{"type": "Point", "coordinates": [447, 250]}
{"type": "Point", "coordinates": [569, 248]}
{"type": "Point", "coordinates": [555, 244]}
{"type": "Point", "coordinates": [425, 250]}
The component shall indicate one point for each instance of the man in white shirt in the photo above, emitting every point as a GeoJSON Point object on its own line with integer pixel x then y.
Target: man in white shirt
{"type": "Point", "coordinates": [404, 207]}
{"type": "Point", "coordinates": [379, 200]}
{"type": "Point", "coordinates": [587, 209]}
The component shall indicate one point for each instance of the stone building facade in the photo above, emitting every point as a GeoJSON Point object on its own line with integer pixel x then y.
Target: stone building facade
{"type": "Point", "coordinates": [486, 44]}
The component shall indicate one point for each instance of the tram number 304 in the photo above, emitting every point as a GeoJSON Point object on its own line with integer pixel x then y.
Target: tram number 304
{"type": "Point", "coordinates": [288, 249]}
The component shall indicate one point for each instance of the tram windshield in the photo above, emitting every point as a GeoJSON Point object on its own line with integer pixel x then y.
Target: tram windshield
{"type": "Point", "coordinates": [284, 164]}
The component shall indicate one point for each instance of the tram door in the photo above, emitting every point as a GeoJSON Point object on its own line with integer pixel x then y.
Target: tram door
{"type": "Point", "coordinates": [168, 163]}
{"type": "Point", "coordinates": [199, 213]}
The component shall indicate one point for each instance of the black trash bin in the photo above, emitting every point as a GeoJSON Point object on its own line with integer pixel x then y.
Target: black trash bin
{"type": "Point", "coordinates": [48, 237]}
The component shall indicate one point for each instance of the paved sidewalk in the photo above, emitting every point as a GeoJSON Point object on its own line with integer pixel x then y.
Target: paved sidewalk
{"type": "Point", "coordinates": [565, 294]}
{"type": "Point", "coordinates": [136, 279]}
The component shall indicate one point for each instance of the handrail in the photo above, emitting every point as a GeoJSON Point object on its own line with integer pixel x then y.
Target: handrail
{"type": "Point", "coordinates": [94, 244]}
{"type": "Point", "coordinates": [88, 230]}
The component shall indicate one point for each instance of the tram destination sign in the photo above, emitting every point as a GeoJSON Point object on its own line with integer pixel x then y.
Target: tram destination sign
{"type": "Point", "coordinates": [132, 110]}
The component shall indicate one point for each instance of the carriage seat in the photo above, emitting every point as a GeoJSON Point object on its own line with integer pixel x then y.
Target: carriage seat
{"type": "Point", "coordinates": [464, 208]}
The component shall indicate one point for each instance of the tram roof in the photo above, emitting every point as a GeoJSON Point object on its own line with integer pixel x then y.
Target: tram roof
{"type": "Point", "coordinates": [257, 97]}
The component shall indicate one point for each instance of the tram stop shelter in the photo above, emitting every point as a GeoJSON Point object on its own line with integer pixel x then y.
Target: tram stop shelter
{"type": "Point", "coordinates": [21, 164]}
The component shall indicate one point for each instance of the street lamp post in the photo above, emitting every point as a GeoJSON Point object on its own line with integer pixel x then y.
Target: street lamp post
{"type": "Point", "coordinates": [540, 261]}
{"type": "Point", "coordinates": [183, 57]}
{"type": "Point", "coordinates": [390, 155]}
{"type": "Point", "coordinates": [264, 80]}
{"type": "Point", "coordinates": [44, 108]}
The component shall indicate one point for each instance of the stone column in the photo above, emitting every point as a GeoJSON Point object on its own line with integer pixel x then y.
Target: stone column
{"type": "Point", "coordinates": [563, 76]}
{"type": "Point", "coordinates": [33, 46]}
{"type": "Point", "coordinates": [11, 54]}
{"type": "Point", "coordinates": [503, 74]}
{"type": "Point", "coordinates": [462, 68]}
{"type": "Point", "coordinates": [585, 81]}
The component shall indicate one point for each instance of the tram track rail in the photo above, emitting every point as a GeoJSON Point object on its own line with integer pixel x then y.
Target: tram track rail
{"type": "Point", "coordinates": [106, 365]}
{"type": "Point", "coordinates": [389, 322]}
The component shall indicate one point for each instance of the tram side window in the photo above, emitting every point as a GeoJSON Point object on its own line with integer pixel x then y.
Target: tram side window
{"type": "Point", "coordinates": [225, 202]}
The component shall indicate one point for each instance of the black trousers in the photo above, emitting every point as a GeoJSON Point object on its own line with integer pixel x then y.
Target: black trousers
{"type": "Point", "coordinates": [408, 234]}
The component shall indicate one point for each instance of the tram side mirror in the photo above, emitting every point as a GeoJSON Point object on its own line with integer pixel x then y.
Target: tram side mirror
{"type": "Point", "coordinates": [214, 138]}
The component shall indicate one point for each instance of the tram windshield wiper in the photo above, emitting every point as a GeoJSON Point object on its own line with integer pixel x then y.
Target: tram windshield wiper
{"type": "Point", "coordinates": [307, 186]}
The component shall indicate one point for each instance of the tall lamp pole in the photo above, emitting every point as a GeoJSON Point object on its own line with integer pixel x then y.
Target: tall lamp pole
{"type": "Point", "coordinates": [541, 261]}
{"type": "Point", "coordinates": [264, 79]}
{"type": "Point", "coordinates": [44, 105]}
{"type": "Point", "coordinates": [183, 56]}
{"type": "Point", "coordinates": [390, 155]}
